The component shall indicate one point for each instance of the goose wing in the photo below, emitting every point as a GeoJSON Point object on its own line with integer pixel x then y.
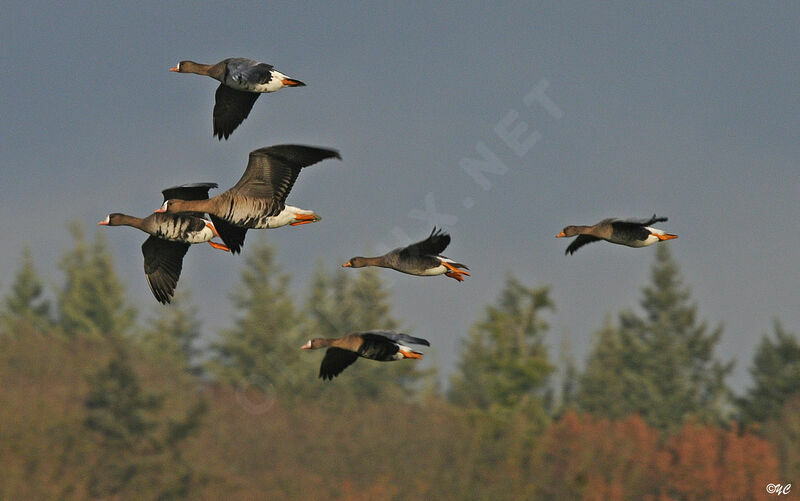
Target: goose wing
{"type": "Point", "coordinates": [231, 107]}
{"type": "Point", "coordinates": [434, 245]}
{"type": "Point", "coordinates": [163, 261]}
{"type": "Point", "coordinates": [194, 191]}
{"type": "Point", "coordinates": [397, 337]}
{"type": "Point", "coordinates": [272, 171]}
{"type": "Point", "coordinates": [336, 360]}
{"type": "Point", "coordinates": [580, 242]}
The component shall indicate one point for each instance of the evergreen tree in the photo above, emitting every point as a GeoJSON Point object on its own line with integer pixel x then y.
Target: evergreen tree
{"type": "Point", "coordinates": [263, 347]}
{"type": "Point", "coordinates": [504, 362]}
{"type": "Point", "coordinates": [173, 332]}
{"type": "Point", "coordinates": [140, 450]}
{"type": "Point", "coordinates": [25, 302]}
{"type": "Point", "coordinates": [776, 377]}
{"type": "Point", "coordinates": [341, 303]}
{"type": "Point", "coordinates": [660, 365]}
{"type": "Point", "coordinates": [92, 302]}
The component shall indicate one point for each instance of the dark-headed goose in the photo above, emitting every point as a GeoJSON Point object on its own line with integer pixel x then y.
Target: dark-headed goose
{"type": "Point", "coordinates": [241, 82]}
{"type": "Point", "coordinates": [170, 237]}
{"type": "Point", "coordinates": [259, 195]}
{"type": "Point", "coordinates": [421, 258]}
{"type": "Point", "coordinates": [630, 233]}
{"type": "Point", "coordinates": [384, 346]}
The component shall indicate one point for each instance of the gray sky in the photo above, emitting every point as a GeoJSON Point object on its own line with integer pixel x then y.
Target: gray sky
{"type": "Point", "coordinates": [689, 111]}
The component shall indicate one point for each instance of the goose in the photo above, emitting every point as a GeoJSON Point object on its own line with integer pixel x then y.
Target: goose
{"type": "Point", "coordinates": [381, 345]}
{"type": "Point", "coordinates": [630, 233]}
{"type": "Point", "coordinates": [259, 195]}
{"type": "Point", "coordinates": [170, 237]}
{"type": "Point", "coordinates": [421, 258]}
{"type": "Point", "coordinates": [241, 80]}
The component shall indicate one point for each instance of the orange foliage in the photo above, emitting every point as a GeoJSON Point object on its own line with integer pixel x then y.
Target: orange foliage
{"type": "Point", "coordinates": [252, 446]}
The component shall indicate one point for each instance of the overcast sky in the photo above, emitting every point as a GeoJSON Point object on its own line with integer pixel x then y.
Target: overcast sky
{"type": "Point", "coordinates": [586, 111]}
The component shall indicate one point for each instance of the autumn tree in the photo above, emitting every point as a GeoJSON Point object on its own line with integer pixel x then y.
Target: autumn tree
{"type": "Point", "coordinates": [92, 301]}
{"type": "Point", "coordinates": [776, 377]}
{"type": "Point", "coordinates": [25, 301]}
{"type": "Point", "coordinates": [659, 364]}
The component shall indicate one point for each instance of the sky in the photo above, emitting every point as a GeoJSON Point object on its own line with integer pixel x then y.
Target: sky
{"type": "Point", "coordinates": [577, 111]}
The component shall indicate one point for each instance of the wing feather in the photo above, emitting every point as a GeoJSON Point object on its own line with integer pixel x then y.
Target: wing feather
{"type": "Point", "coordinates": [163, 261]}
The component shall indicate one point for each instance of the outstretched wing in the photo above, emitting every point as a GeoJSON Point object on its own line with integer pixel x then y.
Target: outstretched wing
{"type": "Point", "coordinates": [336, 360]}
{"type": "Point", "coordinates": [272, 171]}
{"type": "Point", "coordinates": [194, 191]}
{"type": "Point", "coordinates": [434, 245]}
{"type": "Point", "coordinates": [648, 222]}
{"type": "Point", "coordinates": [163, 261]}
{"type": "Point", "coordinates": [580, 242]}
{"type": "Point", "coordinates": [232, 235]}
{"type": "Point", "coordinates": [231, 107]}
{"type": "Point", "coordinates": [397, 337]}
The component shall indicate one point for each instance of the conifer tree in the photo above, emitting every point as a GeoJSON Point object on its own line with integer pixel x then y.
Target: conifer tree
{"type": "Point", "coordinates": [504, 362]}
{"type": "Point", "coordinates": [263, 346]}
{"type": "Point", "coordinates": [140, 448]}
{"type": "Point", "coordinates": [92, 302]}
{"type": "Point", "coordinates": [776, 377]}
{"type": "Point", "coordinates": [24, 301]}
{"type": "Point", "coordinates": [173, 332]}
{"type": "Point", "coordinates": [661, 364]}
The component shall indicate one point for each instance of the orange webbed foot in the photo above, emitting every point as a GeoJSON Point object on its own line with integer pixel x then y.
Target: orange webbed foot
{"type": "Point", "coordinates": [455, 275]}
{"type": "Point", "coordinates": [304, 219]}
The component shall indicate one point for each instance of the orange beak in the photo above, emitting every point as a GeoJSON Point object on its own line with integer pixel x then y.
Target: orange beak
{"type": "Point", "coordinates": [560, 235]}
{"type": "Point", "coordinates": [347, 265]}
{"type": "Point", "coordinates": [666, 236]}
{"type": "Point", "coordinates": [290, 82]}
{"type": "Point", "coordinates": [174, 68]}
{"type": "Point", "coordinates": [306, 346]}
{"type": "Point", "coordinates": [104, 222]}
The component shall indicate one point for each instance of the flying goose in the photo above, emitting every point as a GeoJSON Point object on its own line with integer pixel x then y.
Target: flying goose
{"type": "Point", "coordinates": [384, 346]}
{"type": "Point", "coordinates": [242, 81]}
{"type": "Point", "coordinates": [422, 258]}
{"type": "Point", "coordinates": [170, 237]}
{"type": "Point", "coordinates": [259, 195]}
{"type": "Point", "coordinates": [630, 233]}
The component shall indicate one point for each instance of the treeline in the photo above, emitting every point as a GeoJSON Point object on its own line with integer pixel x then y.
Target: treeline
{"type": "Point", "coordinates": [95, 404]}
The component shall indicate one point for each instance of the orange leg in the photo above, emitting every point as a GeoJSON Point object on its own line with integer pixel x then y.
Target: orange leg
{"type": "Point", "coordinates": [454, 269]}
{"type": "Point", "coordinates": [410, 354]}
{"type": "Point", "coordinates": [219, 246]}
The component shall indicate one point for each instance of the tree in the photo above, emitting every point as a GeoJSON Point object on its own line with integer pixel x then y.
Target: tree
{"type": "Point", "coordinates": [140, 449]}
{"type": "Point", "coordinates": [345, 302]}
{"type": "Point", "coordinates": [92, 302]}
{"type": "Point", "coordinates": [24, 301]}
{"type": "Point", "coordinates": [776, 377]}
{"type": "Point", "coordinates": [504, 361]}
{"type": "Point", "coordinates": [173, 332]}
{"type": "Point", "coordinates": [262, 349]}
{"type": "Point", "coordinates": [660, 365]}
